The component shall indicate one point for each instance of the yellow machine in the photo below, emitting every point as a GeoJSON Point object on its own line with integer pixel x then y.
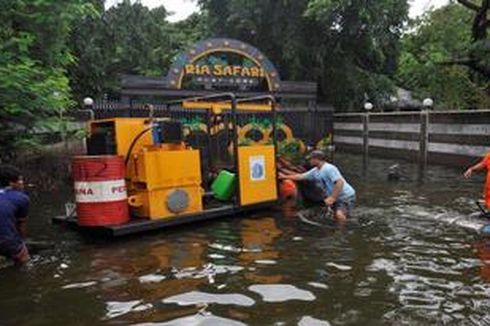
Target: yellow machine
{"type": "Point", "coordinates": [163, 173]}
{"type": "Point", "coordinates": [166, 182]}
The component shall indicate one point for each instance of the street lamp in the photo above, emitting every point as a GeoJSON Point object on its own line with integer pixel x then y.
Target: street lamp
{"type": "Point", "coordinates": [368, 106]}
{"type": "Point", "coordinates": [428, 103]}
{"type": "Point", "coordinates": [88, 102]}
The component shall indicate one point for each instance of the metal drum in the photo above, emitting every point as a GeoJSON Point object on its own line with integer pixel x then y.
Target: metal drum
{"type": "Point", "coordinates": [100, 190]}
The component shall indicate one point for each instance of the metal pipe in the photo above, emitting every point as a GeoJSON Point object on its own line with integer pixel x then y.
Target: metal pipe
{"type": "Point", "coordinates": [90, 111]}
{"type": "Point", "coordinates": [235, 147]}
{"type": "Point", "coordinates": [200, 98]}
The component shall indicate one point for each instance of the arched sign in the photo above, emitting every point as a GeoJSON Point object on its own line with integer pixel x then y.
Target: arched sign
{"type": "Point", "coordinates": [225, 65]}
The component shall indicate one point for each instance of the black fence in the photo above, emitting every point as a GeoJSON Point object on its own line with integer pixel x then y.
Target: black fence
{"type": "Point", "coordinates": [297, 130]}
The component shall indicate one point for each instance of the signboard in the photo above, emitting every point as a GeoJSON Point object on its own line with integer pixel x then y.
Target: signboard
{"type": "Point", "coordinates": [224, 65]}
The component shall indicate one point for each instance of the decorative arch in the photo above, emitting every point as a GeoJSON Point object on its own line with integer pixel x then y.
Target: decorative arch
{"type": "Point", "coordinates": [207, 47]}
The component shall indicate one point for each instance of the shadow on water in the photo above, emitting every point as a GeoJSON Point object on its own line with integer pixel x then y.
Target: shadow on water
{"type": "Point", "coordinates": [392, 264]}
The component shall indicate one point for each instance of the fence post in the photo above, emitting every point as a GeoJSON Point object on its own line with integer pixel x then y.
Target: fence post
{"type": "Point", "coordinates": [423, 141]}
{"type": "Point", "coordinates": [365, 139]}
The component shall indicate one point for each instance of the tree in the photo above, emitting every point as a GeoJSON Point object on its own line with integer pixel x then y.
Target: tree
{"type": "Point", "coordinates": [33, 60]}
{"type": "Point", "coordinates": [477, 56]}
{"type": "Point", "coordinates": [349, 47]}
{"type": "Point", "coordinates": [128, 38]}
{"type": "Point", "coordinates": [433, 41]}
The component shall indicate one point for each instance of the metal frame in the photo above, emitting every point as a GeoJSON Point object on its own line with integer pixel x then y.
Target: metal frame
{"type": "Point", "coordinates": [233, 102]}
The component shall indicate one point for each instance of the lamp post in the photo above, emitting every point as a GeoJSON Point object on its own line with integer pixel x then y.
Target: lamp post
{"type": "Point", "coordinates": [394, 103]}
{"type": "Point", "coordinates": [88, 103]}
{"type": "Point", "coordinates": [428, 103]}
{"type": "Point", "coordinates": [368, 106]}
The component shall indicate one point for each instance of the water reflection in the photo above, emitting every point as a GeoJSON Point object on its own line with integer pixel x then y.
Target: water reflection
{"type": "Point", "coordinates": [281, 293]}
{"type": "Point", "coordinates": [397, 262]}
{"type": "Point", "coordinates": [258, 236]}
{"type": "Point", "coordinates": [483, 250]}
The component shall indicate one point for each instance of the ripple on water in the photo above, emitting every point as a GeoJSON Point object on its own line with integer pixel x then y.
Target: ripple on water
{"type": "Point", "coordinates": [266, 262]}
{"type": "Point", "coordinates": [318, 285]}
{"type": "Point", "coordinates": [281, 292]}
{"type": "Point", "coordinates": [340, 267]}
{"type": "Point", "coordinates": [118, 308]}
{"type": "Point", "coordinates": [230, 248]}
{"type": "Point", "coordinates": [196, 297]}
{"type": "Point", "coordinates": [310, 321]}
{"type": "Point", "coordinates": [79, 285]}
{"type": "Point", "coordinates": [206, 271]}
{"type": "Point", "coordinates": [206, 319]}
{"type": "Point", "coordinates": [151, 278]}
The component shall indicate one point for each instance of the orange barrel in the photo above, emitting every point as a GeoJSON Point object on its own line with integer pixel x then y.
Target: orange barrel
{"type": "Point", "coordinates": [100, 190]}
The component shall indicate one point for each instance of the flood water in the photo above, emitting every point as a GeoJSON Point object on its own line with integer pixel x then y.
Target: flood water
{"type": "Point", "coordinates": [391, 264]}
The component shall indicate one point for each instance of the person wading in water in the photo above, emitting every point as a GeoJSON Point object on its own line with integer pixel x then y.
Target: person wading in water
{"type": "Point", "coordinates": [14, 206]}
{"type": "Point", "coordinates": [337, 192]}
{"type": "Point", "coordinates": [482, 165]}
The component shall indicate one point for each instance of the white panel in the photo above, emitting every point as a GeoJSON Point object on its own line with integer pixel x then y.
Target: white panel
{"type": "Point", "coordinates": [347, 126]}
{"type": "Point", "coordinates": [394, 143]}
{"type": "Point", "coordinates": [459, 129]}
{"type": "Point", "coordinates": [348, 140]}
{"type": "Point", "coordinates": [458, 149]}
{"type": "Point", "coordinates": [396, 127]}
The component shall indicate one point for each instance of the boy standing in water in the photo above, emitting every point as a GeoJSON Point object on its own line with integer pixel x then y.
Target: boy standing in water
{"type": "Point", "coordinates": [14, 206]}
{"type": "Point", "coordinates": [338, 193]}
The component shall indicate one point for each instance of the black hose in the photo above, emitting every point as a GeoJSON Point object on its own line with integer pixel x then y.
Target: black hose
{"type": "Point", "coordinates": [133, 143]}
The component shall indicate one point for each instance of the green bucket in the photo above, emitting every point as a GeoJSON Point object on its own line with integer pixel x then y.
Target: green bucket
{"type": "Point", "coordinates": [224, 185]}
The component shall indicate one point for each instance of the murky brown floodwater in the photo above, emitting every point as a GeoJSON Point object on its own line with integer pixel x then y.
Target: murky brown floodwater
{"type": "Point", "coordinates": [391, 265]}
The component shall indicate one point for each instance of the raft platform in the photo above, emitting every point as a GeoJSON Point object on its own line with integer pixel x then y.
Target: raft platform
{"type": "Point", "coordinates": [139, 225]}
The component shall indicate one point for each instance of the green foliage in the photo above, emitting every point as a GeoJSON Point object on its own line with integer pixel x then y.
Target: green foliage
{"type": "Point", "coordinates": [433, 42]}
{"type": "Point", "coordinates": [290, 150]}
{"type": "Point", "coordinates": [33, 60]}
{"type": "Point", "coordinates": [128, 38]}
{"type": "Point", "coordinates": [349, 47]}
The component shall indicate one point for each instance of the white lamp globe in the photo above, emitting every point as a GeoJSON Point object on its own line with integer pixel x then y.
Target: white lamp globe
{"type": "Point", "coordinates": [368, 106]}
{"type": "Point", "coordinates": [88, 101]}
{"type": "Point", "coordinates": [428, 103]}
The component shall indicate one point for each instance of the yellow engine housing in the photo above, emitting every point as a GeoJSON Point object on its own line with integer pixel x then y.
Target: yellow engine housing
{"type": "Point", "coordinates": [158, 172]}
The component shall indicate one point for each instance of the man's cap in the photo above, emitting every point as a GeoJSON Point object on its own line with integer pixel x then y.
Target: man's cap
{"type": "Point", "coordinates": [316, 154]}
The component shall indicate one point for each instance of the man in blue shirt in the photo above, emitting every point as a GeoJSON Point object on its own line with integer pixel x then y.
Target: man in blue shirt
{"type": "Point", "coordinates": [14, 206]}
{"type": "Point", "coordinates": [338, 193]}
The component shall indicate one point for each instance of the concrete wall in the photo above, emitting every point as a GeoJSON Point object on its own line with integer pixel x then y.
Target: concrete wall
{"type": "Point", "coordinates": [453, 138]}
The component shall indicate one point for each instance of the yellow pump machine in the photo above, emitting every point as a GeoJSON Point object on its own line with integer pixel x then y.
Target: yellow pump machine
{"type": "Point", "coordinates": [167, 182]}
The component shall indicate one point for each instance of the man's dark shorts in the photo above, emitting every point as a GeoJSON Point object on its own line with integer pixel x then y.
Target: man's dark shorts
{"type": "Point", "coordinates": [346, 205]}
